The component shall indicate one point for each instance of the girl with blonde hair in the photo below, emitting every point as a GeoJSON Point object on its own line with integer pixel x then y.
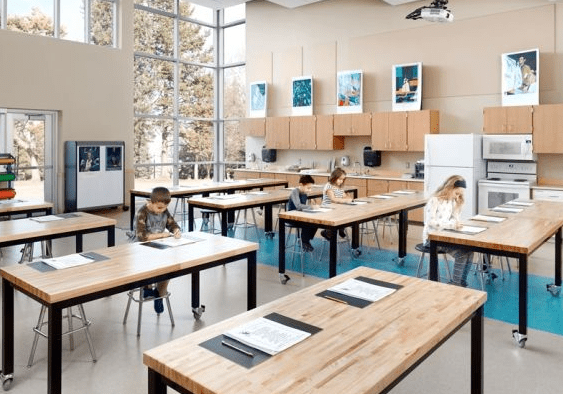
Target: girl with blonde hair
{"type": "Point", "coordinates": [442, 211]}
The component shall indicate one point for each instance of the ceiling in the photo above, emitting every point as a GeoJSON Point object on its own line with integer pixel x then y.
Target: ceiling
{"type": "Point", "coordinates": [285, 3]}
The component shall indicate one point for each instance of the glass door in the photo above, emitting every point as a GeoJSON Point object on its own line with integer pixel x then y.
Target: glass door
{"type": "Point", "coordinates": [30, 137]}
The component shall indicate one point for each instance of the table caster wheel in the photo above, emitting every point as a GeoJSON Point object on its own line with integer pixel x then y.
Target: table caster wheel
{"type": "Point", "coordinates": [7, 381]}
{"type": "Point", "coordinates": [554, 289]}
{"type": "Point", "coordinates": [284, 278]}
{"type": "Point", "coordinates": [519, 339]}
{"type": "Point", "coordinates": [400, 261]}
{"type": "Point", "coordinates": [269, 235]}
{"type": "Point", "coordinates": [198, 312]}
{"type": "Point", "coordinates": [356, 252]}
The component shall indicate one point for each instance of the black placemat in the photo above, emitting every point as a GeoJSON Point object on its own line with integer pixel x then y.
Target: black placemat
{"type": "Point", "coordinates": [41, 266]}
{"type": "Point", "coordinates": [215, 344]}
{"type": "Point", "coordinates": [354, 301]}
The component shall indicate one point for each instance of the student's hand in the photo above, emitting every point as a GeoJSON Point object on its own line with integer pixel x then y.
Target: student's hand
{"type": "Point", "coordinates": [458, 226]}
{"type": "Point", "coordinates": [314, 206]}
{"type": "Point", "coordinates": [177, 233]}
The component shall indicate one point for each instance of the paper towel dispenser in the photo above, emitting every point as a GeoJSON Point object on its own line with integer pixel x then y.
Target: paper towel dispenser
{"type": "Point", "coordinates": [268, 155]}
{"type": "Point", "coordinates": [372, 158]}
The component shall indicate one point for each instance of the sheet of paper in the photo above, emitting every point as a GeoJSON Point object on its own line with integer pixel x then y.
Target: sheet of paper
{"type": "Point", "coordinates": [469, 229]}
{"type": "Point", "coordinates": [313, 210]}
{"type": "Point", "coordinates": [488, 218]}
{"type": "Point", "coordinates": [173, 242]}
{"type": "Point", "coordinates": [258, 192]}
{"type": "Point", "coordinates": [404, 192]}
{"type": "Point", "coordinates": [48, 218]}
{"type": "Point", "coordinates": [72, 260]}
{"type": "Point", "coordinates": [363, 290]}
{"type": "Point", "coordinates": [225, 196]}
{"type": "Point", "coordinates": [505, 209]}
{"type": "Point", "coordinates": [382, 196]}
{"type": "Point", "coordinates": [9, 201]}
{"type": "Point", "coordinates": [267, 335]}
{"type": "Point", "coordinates": [357, 202]}
{"type": "Point", "coordinates": [520, 203]}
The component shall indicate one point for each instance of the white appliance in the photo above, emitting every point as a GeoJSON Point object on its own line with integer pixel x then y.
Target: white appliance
{"type": "Point", "coordinates": [506, 181]}
{"type": "Point", "coordinates": [454, 154]}
{"type": "Point", "coordinates": [508, 147]}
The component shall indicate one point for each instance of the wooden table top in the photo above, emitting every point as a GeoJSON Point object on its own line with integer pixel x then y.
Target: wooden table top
{"type": "Point", "coordinates": [342, 214]}
{"type": "Point", "coordinates": [357, 351]}
{"type": "Point", "coordinates": [15, 230]}
{"type": "Point", "coordinates": [521, 232]}
{"type": "Point", "coordinates": [254, 198]}
{"type": "Point", "coordinates": [8, 206]}
{"type": "Point", "coordinates": [216, 186]}
{"type": "Point", "coordinates": [127, 263]}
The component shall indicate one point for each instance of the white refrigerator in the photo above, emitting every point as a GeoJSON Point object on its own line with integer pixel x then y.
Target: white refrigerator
{"type": "Point", "coordinates": [454, 154]}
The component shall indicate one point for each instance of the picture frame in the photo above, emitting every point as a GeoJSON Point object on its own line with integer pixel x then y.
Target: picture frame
{"type": "Point", "coordinates": [302, 95]}
{"type": "Point", "coordinates": [114, 160]}
{"type": "Point", "coordinates": [407, 87]}
{"type": "Point", "coordinates": [520, 77]}
{"type": "Point", "coordinates": [89, 158]}
{"type": "Point", "coordinates": [349, 92]}
{"type": "Point", "coordinates": [258, 99]}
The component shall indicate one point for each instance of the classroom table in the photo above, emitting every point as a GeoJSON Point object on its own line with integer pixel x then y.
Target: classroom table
{"type": "Point", "coordinates": [518, 236]}
{"type": "Point", "coordinates": [233, 202]}
{"type": "Point", "coordinates": [127, 267]}
{"type": "Point", "coordinates": [227, 186]}
{"type": "Point", "coordinates": [344, 215]}
{"type": "Point", "coordinates": [357, 350]}
{"type": "Point", "coordinates": [24, 207]}
{"type": "Point", "coordinates": [22, 231]}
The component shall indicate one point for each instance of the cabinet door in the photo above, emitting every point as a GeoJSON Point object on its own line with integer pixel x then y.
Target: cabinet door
{"type": "Point", "coordinates": [397, 185]}
{"type": "Point", "coordinates": [416, 215]}
{"type": "Point", "coordinates": [420, 123]}
{"type": "Point", "coordinates": [493, 120]}
{"type": "Point", "coordinates": [397, 131]}
{"type": "Point", "coordinates": [246, 174]}
{"type": "Point", "coordinates": [302, 132]}
{"type": "Point", "coordinates": [379, 130]}
{"type": "Point", "coordinates": [277, 133]}
{"type": "Point", "coordinates": [352, 124]}
{"type": "Point", "coordinates": [343, 124]}
{"type": "Point", "coordinates": [361, 184]}
{"type": "Point", "coordinates": [519, 119]}
{"type": "Point", "coordinates": [548, 128]}
{"type": "Point", "coordinates": [326, 140]}
{"type": "Point", "coordinates": [255, 127]}
{"type": "Point", "coordinates": [377, 186]}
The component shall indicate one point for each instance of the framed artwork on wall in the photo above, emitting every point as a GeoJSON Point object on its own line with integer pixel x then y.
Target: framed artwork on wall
{"type": "Point", "coordinates": [89, 158]}
{"type": "Point", "coordinates": [521, 77]}
{"type": "Point", "coordinates": [258, 99]}
{"type": "Point", "coordinates": [407, 87]}
{"type": "Point", "coordinates": [349, 91]}
{"type": "Point", "coordinates": [302, 96]}
{"type": "Point", "coordinates": [113, 158]}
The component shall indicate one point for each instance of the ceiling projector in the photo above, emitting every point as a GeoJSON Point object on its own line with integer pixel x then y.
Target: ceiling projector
{"type": "Point", "coordinates": [435, 12]}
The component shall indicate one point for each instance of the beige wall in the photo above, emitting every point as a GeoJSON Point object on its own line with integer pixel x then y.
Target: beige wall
{"type": "Point", "coordinates": [91, 87]}
{"type": "Point", "coordinates": [461, 60]}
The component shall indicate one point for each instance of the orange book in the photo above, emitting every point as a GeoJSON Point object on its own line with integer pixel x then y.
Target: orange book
{"type": "Point", "coordinates": [7, 194]}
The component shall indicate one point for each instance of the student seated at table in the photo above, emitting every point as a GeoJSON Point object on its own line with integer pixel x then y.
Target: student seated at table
{"type": "Point", "coordinates": [298, 202]}
{"type": "Point", "coordinates": [442, 211]}
{"type": "Point", "coordinates": [154, 221]}
{"type": "Point", "coordinates": [333, 193]}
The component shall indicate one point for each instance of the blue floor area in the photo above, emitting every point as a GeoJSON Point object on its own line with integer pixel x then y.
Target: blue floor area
{"type": "Point", "coordinates": [545, 312]}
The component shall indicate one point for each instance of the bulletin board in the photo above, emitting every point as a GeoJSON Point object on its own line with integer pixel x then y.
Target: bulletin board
{"type": "Point", "coordinates": [94, 174]}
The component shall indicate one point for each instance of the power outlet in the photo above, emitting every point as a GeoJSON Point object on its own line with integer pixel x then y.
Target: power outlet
{"type": "Point", "coordinates": [408, 165]}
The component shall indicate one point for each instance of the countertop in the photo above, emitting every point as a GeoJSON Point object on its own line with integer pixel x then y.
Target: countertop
{"type": "Point", "coordinates": [349, 175]}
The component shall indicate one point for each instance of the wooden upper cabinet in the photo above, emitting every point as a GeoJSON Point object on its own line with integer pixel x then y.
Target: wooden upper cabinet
{"type": "Point", "coordinates": [420, 123]}
{"type": "Point", "coordinates": [277, 132]}
{"type": "Point", "coordinates": [548, 128]}
{"type": "Point", "coordinates": [302, 132]}
{"type": "Point", "coordinates": [254, 127]}
{"type": "Point", "coordinates": [389, 131]}
{"type": "Point", "coordinates": [508, 120]}
{"type": "Point", "coordinates": [326, 140]}
{"type": "Point", "coordinates": [352, 124]}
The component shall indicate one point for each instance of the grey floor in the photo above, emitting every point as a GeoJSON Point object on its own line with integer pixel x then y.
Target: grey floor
{"type": "Point", "coordinates": [119, 369]}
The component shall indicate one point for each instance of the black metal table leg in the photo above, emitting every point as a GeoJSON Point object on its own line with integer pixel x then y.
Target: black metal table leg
{"type": "Point", "coordinates": [433, 272]}
{"type": "Point", "coordinates": [54, 368]}
{"type": "Point", "coordinates": [402, 233]}
{"type": "Point", "coordinates": [558, 258]}
{"type": "Point", "coordinates": [156, 384]}
{"type": "Point", "coordinates": [224, 223]}
{"type": "Point", "coordinates": [111, 236]}
{"type": "Point", "coordinates": [79, 243]}
{"type": "Point", "coordinates": [7, 331]}
{"type": "Point", "coordinates": [332, 254]}
{"type": "Point", "coordinates": [191, 217]}
{"type": "Point", "coordinates": [477, 352]}
{"type": "Point", "coordinates": [132, 214]}
{"type": "Point", "coordinates": [251, 281]}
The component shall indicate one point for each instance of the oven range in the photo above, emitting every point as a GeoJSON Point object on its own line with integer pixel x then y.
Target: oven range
{"type": "Point", "coordinates": [506, 181]}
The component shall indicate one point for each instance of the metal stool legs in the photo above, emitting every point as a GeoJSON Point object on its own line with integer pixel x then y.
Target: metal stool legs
{"type": "Point", "coordinates": [85, 326]}
{"type": "Point", "coordinates": [246, 224]}
{"type": "Point", "coordinates": [296, 247]}
{"type": "Point", "coordinates": [140, 300]}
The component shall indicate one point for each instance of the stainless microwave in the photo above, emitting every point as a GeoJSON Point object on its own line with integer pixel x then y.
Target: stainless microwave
{"type": "Point", "coordinates": [508, 147]}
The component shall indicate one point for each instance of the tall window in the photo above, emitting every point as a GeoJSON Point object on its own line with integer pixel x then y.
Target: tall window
{"type": "Point", "coordinates": [88, 21]}
{"type": "Point", "coordinates": [189, 90]}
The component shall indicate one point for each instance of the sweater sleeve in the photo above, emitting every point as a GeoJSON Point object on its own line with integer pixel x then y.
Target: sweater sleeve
{"type": "Point", "coordinates": [141, 224]}
{"type": "Point", "coordinates": [294, 197]}
{"type": "Point", "coordinates": [171, 224]}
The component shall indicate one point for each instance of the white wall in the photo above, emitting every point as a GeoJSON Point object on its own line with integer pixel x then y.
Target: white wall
{"type": "Point", "coordinates": [90, 86]}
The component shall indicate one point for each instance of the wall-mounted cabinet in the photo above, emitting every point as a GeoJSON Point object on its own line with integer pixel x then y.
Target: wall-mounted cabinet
{"type": "Point", "coordinates": [277, 132]}
{"type": "Point", "coordinates": [303, 132]}
{"type": "Point", "coordinates": [508, 120]}
{"type": "Point", "coordinates": [389, 131]}
{"type": "Point", "coordinates": [420, 123]}
{"type": "Point", "coordinates": [253, 127]}
{"type": "Point", "coordinates": [548, 128]}
{"type": "Point", "coordinates": [326, 140]}
{"type": "Point", "coordinates": [352, 124]}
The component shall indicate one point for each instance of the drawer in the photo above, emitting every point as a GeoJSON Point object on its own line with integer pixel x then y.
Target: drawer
{"type": "Point", "coordinates": [547, 194]}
